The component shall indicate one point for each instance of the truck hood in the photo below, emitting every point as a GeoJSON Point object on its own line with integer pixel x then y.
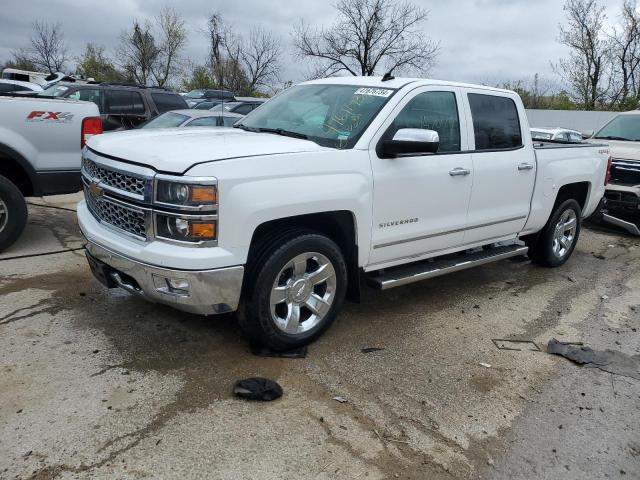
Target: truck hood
{"type": "Point", "coordinates": [624, 150]}
{"type": "Point", "coordinates": [176, 150]}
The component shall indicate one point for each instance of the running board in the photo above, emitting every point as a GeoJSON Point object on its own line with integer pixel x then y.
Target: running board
{"type": "Point", "coordinates": [415, 272]}
{"type": "Point", "coordinates": [632, 228]}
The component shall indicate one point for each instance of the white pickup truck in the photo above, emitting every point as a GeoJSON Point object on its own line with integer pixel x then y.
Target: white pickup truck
{"type": "Point", "coordinates": [330, 182]}
{"type": "Point", "coordinates": [40, 145]}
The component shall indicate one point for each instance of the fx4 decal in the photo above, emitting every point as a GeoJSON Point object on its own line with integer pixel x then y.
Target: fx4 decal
{"type": "Point", "coordinates": [55, 117]}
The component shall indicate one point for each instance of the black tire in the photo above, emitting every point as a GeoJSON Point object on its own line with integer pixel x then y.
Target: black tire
{"type": "Point", "coordinates": [256, 318]}
{"type": "Point", "coordinates": [541, 246]}
{"type": "Point", "coordinates": [14, 219]}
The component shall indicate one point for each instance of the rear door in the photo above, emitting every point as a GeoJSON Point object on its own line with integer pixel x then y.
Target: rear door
{"type": "Point", "coordinates": [420, 202]}
{"type": "Point", "coordinates": [504, 166]}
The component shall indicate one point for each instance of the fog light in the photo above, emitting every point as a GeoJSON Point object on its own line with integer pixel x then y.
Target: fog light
{"type": "Point", "coordinates": [178, 285]}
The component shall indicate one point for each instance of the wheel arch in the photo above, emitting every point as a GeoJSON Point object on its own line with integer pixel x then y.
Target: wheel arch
{"type": "Point", "coordinates": [579, 191]}
{"type": "Point", "coordinates": [340, 226]}
{"type": "Point", "coordinates": [18, 170]}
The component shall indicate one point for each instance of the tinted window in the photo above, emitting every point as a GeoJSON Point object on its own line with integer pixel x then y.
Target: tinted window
{"type": "Point", "coordinates": [243, 109]}
{"type": "Point", "coordinates": [204, 122]}
{"type": "Point", "coordinates": [204, 106]}
{"type": "Point", "coordinates": [10, 87]}
{"type": "Point", "coordinates": [432, 111]}
{"type": "Point", "coordinates": [229, 121]}
{"type": "Point", "coordinates": [495, 122]}
{"type": "Point", "coordinates": [124, 102]}
{"type": "Point", "coordinates": [89, 95]}
{"type": "Point", "coordinates": [168, 101]}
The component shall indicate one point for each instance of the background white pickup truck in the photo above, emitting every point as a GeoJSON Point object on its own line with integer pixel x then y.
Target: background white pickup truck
{"type": "Point", "coordinates": [331, 181]}
{"type": "Point", "coordinates": [40, 144]}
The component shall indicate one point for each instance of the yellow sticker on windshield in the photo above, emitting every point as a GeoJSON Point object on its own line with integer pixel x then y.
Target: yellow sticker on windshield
{"type": "Point", "coordinates": [376, 92]}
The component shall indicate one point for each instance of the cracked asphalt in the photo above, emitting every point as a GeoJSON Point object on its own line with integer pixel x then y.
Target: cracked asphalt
{"type": "Point", "coordinates": [99, 384]}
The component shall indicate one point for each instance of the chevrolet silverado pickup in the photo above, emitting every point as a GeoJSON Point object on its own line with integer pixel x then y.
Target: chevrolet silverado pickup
{"type": "Point", "coordinates": [622, 195]}
{"type": "Point", "coordinates": [40, 144]}
{"type": "Point", "coordinates": [331, 183]}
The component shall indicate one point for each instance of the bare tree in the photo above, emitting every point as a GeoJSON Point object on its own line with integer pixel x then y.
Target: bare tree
{"type": "Point", "coordinates": [260, 58]}
{"type": "Point", "coordinates": [172, 40]}
{"type": "Point", "coordinates": [586, 68]}
{"type": "Point", "coordinates": [368, 36]}
{"type": "Point", "coordinates": [241, 64]}
{"type": "Point", "coordinates": [626, 55]}
{"type": "Point", "coordinates": [48, 50]}
{"type": "Point", "coordinates": [137, 52]}
{"type": "Point", "coordinates": [148, 56]}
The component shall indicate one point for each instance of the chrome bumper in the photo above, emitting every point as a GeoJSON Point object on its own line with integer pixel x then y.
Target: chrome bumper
{"type": "Point", "coordinates": [204, 292]}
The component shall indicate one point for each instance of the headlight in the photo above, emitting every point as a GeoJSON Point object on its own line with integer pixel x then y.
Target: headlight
{"type": "Point", "coordinates": [195, 195]}
{"type": "Point", "coordinates": [193, 229]}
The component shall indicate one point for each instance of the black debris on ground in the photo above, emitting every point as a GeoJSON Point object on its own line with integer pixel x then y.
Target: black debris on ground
{"type": "Point", "coordinates": [257, 388]}
{"type": "Point", "coordinates": [611, 361]}
{"type": "Point", "coordinates": [264, 351]}
{"type": "Point", "coordinates": [371, 349]}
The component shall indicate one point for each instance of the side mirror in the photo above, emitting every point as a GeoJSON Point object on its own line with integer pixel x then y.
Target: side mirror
{"type": "Point", "coordinates": [411, 141]}
{"type": "Point", "coordinates": [587, 134]}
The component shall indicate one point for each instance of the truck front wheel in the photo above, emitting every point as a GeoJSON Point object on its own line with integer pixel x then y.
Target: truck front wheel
{"type": "Point", "coordinates": [554, 245]}
{"type": "Point", "coordinates": [294, 291]}
{"type": "Point", "coordinates": [13, 213]}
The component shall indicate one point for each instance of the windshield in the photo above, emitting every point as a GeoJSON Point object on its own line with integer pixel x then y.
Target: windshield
{"type": "Point", "coordinates": [195, 94]}
{"type": "Point", "coordinates": [223, 107]}
{"type": "Point", "coordinates": [166, 120]}
{"type": "Point", "coordinates": [330, 115]}
{"type": "Point", "coordinates": [54, 91]}
{"type": "Point", "coordinates": [622, 127]}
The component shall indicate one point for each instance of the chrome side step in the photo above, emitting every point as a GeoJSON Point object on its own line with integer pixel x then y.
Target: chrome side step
{"type": "Point", "coordinates": [415, 272]}
{"type": "Point", "coordinates": [632, 228]}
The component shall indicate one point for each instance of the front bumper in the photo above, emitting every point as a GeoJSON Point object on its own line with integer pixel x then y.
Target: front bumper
{"type": "Point", "coordinates": [204, 292]}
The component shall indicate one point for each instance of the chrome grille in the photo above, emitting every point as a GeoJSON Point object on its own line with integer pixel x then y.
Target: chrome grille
{"type": "Point", "coordinates": [128, 219]}
{"type": "Point", "coordinates": [121, 181]}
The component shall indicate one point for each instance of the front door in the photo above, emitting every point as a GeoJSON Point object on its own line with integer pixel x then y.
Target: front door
{"type": "Point", "coordinates": [420, 202]}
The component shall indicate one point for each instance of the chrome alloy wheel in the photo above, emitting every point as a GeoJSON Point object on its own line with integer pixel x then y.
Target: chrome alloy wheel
{"type": "Point", "coordinates": [303, 293]}
{"type": "Point", "coordinates": [4, 215]}
{"type": "Point", "coordinates": [565, 233]}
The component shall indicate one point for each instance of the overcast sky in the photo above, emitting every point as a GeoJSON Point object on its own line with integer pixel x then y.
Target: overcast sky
{"type": "Point", "coordinates": [481, 40]}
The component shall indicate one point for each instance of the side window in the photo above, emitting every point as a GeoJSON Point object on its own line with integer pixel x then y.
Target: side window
{"type": "Point", "coordinates": [89, 95]}
{"type": "Point", "coordinates": [432, 111]}
{"type": "Point", "coordinates": [495, 122]}
{"type": "Point", "coordinates": [124, 102]}
{"type": "Point", "coordinates": [575, 138]}
{"type": "Point", "coordinates": [242, 109]}
{"type": "Point", "coordinates": [562, 137]}
{"type": "Point", "coordinates": [168, 101]}
{"type": "Point", "coordinates": [203, 122]}
{"type": "Point", "coordinates": [229, 121]}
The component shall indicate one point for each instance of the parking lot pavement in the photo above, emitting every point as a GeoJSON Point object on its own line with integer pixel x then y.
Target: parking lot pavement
{"type": "Point", "coordinates": [98, 384]}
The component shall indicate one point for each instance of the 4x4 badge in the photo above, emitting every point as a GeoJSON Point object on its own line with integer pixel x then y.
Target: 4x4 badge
{"type": "Point", "coordinates": [95, 190]}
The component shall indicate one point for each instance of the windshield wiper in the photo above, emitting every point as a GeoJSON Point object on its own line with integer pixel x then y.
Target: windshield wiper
{"type": "Point", "coordinates": [245, 128]}
{"type": "Point", "coordinates": [277, 131]}
{"type": "Point", "coordinates": [611, 137]}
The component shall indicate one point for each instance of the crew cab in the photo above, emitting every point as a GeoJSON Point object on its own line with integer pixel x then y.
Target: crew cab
{"type": "Point", "coordinates": [40, 144]}
{"type": "Point", "coordinates": [330, 183]}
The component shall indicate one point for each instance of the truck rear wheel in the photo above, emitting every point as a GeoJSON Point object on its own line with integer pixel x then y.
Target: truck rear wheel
{"type": "Point", "coordinates": [556, 242]}
{"type": "Point", "coordinates": [13, 213]}
{"type": "Point", "coordinates": [297, 285]}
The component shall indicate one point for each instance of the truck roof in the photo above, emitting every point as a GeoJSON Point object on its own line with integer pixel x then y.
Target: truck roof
{"type": "Point", "coordinates": [396, 83]}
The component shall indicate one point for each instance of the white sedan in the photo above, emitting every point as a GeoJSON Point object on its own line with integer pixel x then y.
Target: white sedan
{"type": "Point", "coordinates": [556, 135]}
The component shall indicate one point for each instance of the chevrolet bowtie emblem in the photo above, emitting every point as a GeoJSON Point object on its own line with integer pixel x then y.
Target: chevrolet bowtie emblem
{"type": "Point", "coordinates": [95, 190]}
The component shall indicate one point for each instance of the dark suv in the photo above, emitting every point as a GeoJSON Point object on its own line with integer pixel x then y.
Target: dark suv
{"type": "Point", "coordinates": [122, 106]}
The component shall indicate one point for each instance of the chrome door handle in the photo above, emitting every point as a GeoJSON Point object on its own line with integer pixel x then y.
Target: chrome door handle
{"type": "Point", "coordinates": [525, 166]}
{"type": "Point", "coordinates": [457, 172]}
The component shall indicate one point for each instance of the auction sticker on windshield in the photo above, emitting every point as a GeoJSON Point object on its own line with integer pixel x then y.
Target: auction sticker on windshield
{"type": "Point", "coordinates": [376, 92]}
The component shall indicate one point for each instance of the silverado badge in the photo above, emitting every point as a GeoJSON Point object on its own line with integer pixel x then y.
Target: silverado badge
{"type": "Point", "coordinates": [95, 190]}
